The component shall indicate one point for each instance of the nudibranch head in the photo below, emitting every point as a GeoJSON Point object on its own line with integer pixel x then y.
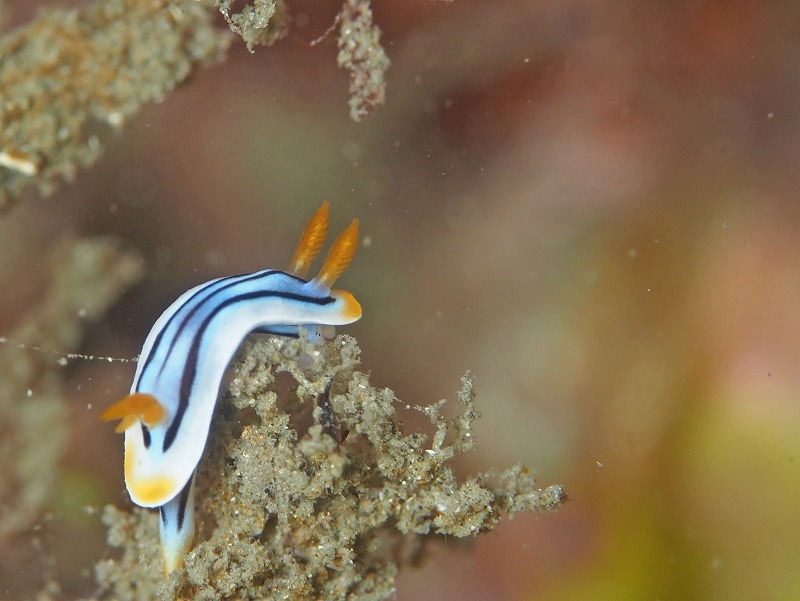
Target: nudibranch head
{"type": "Point", "coordinates": [147, 487]}
{"type": "Point", "coordinates": [147, 484]}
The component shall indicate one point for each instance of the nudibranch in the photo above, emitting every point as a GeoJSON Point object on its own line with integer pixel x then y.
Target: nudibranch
{"type": "Point", "coordinates": [167, 416]}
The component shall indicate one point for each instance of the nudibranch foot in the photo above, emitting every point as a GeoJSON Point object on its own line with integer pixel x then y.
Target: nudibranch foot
{"type": "Point", "coordinates": [176, 528]}
{"type": "Point", "coordinates": [138, 407]}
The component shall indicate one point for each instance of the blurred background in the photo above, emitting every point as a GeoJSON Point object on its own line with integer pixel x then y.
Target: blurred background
{"type": "Point", "coordinates": [590, 204]}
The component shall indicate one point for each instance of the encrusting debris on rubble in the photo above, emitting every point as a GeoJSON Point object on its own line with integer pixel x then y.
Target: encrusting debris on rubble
{"type": "Point", "coordinates": [287, 512]}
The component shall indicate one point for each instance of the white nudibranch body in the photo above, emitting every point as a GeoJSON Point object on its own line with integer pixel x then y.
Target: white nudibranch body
{"type": "Point", "coordinates": [167, 416]}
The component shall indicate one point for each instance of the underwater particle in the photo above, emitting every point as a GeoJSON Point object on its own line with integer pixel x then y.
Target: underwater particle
{"type": "Point", "coordinates": [87, 273]}
{"type": "Point", "coordinates": [19, 161]}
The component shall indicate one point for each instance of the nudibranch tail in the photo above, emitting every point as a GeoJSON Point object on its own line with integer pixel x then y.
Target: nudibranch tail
{"type": "Point", "coordinates": [350, 307]}
{"type": "Point", "coordinates": [310, 243]}
{"type": "Point", "coordinates": [339, 256]}
{"type": "Point", "coordinates": [138, 407]}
